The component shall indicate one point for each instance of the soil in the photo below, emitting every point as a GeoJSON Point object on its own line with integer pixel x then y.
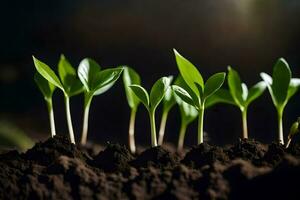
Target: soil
{"type": "Point", "coordinates": [57, 169]}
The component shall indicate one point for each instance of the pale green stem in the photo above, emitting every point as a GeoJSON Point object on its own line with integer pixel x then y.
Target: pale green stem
{"type": "Point", "coordinates": [181, 136]}
{"type": "Point", "coordinates": [200, 125]}
{"type": "Point", "coordinates": [280, 126]}
{"type": "Point", "coordinates": [245, 126]}
{"type": "Point", "coordinates": [162, 128]}
{"type": "Point", "coordinates": [51, 117]}
{"type": "Point", "coordinates": [288, 142]}
{"type": "Point", "coordinates": [69, 119]}
{"type": "Point", "coordinates": [153, 128]}
{"type": "Point", "coordinates": [131, 138]}
{"type": "Point", "coordinates": [87, 105]}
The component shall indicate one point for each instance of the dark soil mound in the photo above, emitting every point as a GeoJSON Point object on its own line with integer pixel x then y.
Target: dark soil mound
{"type": "Point", "coordinates": [46, 152]}
{"type": "Point", "coordinates": [57, 169]}
{"type": "Point", "coordinates": [205, 154]}
{"type": "Point", "coordinates": [114, 158]}
{"type": "Point", "coordinates": [155, 156]}
{"type": "Point", "coordinates": [248, 149]}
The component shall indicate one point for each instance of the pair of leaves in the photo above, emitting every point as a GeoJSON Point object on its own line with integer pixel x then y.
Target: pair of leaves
{"type": "Point", "coordinates": [199, 91]}
{"type": "Point", "coordinates": [131, 77]}
{"type": "Point", "coordinates": [281, 85]}
{"type": "Point", "coordinates": [241, 95]}
{"type": "Point", "coordinates": [156, 95]}
{"type": "Point", "coordinates": [47, 80]}
{"type": "Point", "coordinates": [95, 80]}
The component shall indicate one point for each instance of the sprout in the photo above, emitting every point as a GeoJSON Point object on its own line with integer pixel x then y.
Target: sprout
{"type": "Point", "coordinates": [68, 83]}
{"type": "Point", "coordinates": [47, 90]}
{"type": "Point", "coordinates": [238, 95]}
{"type": "Point", "coordinates": [131, 77]}
{"type": "Point", "coordinates": [188, 114]}
{"type": "Point", "coordinates": [156, 95]}
{"type": "Point", "coordinates": [95, 82]}
{"type": "Point", "coordinates": [168, 103]}
{"type": "Point", "coordinates": [197, 92]}
{"type": "Point", "coordinates": [281, 87]}
{"type": "Point", "coordinates": [293, 131]}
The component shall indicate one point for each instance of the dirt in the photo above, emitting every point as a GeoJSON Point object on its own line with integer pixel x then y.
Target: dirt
{"type": "Point", "coordinates": [57, 169]}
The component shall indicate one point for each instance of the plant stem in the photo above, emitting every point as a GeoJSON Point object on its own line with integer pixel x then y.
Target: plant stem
{"type": "Point", "coordinates": [51, 117]}
{"type": "Point", "coordinates": [200, 125]}
{"type": "Point", "coordinates": [131, 139]}
{"type": "Point", "coordinates": [153, 128]}
{"type": "Point", "coordinates": [181, 136]}
{"type": "Point", "coordinates": [288, 142]}
{"type": "Point", "coordinates": [245, 126]}
{"type": "Point", "coordinates": [280, 127]}
{"type": "Point", "coordinates": [162, 127]}
{"type": "Point", "coordinates": [69, 119]}
{"type": "Point", "coordinates": [87, 105]}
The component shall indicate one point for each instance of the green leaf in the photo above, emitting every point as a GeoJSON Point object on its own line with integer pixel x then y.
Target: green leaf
{"type": "Point", "coordinates": [105, 79]}
{"type": "Point", "coordinates": [158, 91]}
{"type": "Point", "coordinates": [47, 73]}
{"type": "Point", "coordinates": [183, 95]}
{"type": "Point", "coordinates": [142, 94]}
{"type": "Point", "coordinates": [45, 87]}
{"type": "Point", "coordinates": [66, 72]}
{"type": "Point", "coordinates": [169, 99]}
{"type": "Point", "coordinates": [293, 88]}
{"type": "Point", "coordinates": [235, 86]}
{"type": "Point", "coordinates": [188, 113]}
{"type": "Point", "coordinates": [256, 91]}
{"type": "Point", "coordinates": [213, 84]}
{"type": "Point", "coordinates": [76, 88]}
{"type": "Point", "coordinates": [268, 80]}
{"type": "Point", "coordinates": [189, 73]}
{"type": "Point", "coordinates": [294, 129]}
{"type": "Point", "coordinates": [221, 96]}
{"type": "Point", "coordinates": [87, 72]}
{"type": "Point", "coordinates": [281, 80]}
{"type": "Point", "coordinates": [130, 77]}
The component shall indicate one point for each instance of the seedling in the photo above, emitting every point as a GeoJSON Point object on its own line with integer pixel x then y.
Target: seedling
{"type": "Point", "coordinates": [168, 103]}
{"type": "Point", "coordinates": [293, 131]}
{"type": "Point", "coordinates": [95, 82]}
{"type": "Point", "coordinates": [130, 76]}
{"type": "Point", "coordinates": [151, 102]}
{"type": "Point", "coordinates": [47, 90]}
{"type": "Point", "coordinates": [198, 91]}
{"type": "Point", "coordinates": [239, 95]}
{"type": "Point", "coordinates": [281, 87]}
{"type": "Point", "coordinates": [188, 114]}
{"type": "Point", "coordinates": [68, 83]}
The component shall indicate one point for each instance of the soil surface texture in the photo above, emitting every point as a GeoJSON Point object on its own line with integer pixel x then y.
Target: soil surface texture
{"type": "Point", "coordinates": [57, 169]}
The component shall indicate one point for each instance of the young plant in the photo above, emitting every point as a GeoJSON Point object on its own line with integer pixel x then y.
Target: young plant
{"type": "Point", "coordinates": [47, 90]}
{"type": "Point", "coordinates": [293, 131]}
{"type": "Point", "coordinates": [130, 77]}
{"type": "Point", "coordinates": [198, 91]}
{"type": "Point", "coordinates": [168, 103]}
{"type": "Point", "coordinates": [281, 87]}
{"type": "Point", "coordinates": [188, 114]}
{"type": "Point", "coordinates": [239, 95]}
{"type": "Point", "coordinates": [95, 82]}
{"type": "Point", "coordinates": [151, 102]}
{"type": "Point", "coordinates": [68, 83]}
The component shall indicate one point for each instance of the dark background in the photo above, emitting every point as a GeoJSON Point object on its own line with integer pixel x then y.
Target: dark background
{"type": "Point", "coordinates": [249, 35]}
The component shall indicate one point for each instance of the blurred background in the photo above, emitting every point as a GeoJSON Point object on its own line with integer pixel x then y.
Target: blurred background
{"type": "Point", "coordinates": [249, 35]}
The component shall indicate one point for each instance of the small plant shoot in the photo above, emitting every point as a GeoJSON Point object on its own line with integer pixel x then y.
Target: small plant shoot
{"type": "Point", "coordinates": [47, 90]}
{"type": "Point", "coordinates": [130, 77]}
{"type": "Point", "coordinates": [294, 130]}
{"type": "Point", "coordinates": [239, 95]}
{"type": "Point", "coordinates": [188, 114]}
{"type": "Point", "coordinates": [198, 91]}
{"type": "Point", "coordinates": [68, 83]}
{"type": "Point", "coordinates": [168, 103]}
{"type": "Point", "coordinates": [152, 101]}
{"type": "Point", "coordinates": [281, 87]}
{"type": "Point", "coordinates": [95, 82]}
